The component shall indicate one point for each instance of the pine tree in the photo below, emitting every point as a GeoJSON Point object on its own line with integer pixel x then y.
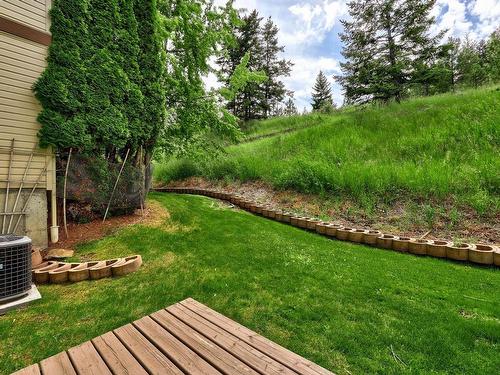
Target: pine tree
{"type": "Point", "coordinates": [384, 44]}
{"type": "Point", "coordinates": [449, 61]}
{"type": "Point", "coordinates": [248, 39]}
{"type": "Point", "coordinates": [322, 92]}
{"type": "Point", "coordinates": [258, 99]}
{"type": "Point", "coordinates": [290, 107]}
{"type": "Point", "coordinates": [274, 68]}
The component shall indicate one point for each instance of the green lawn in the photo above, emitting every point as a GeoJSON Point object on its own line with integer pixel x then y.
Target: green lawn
{"type": "Point", "coordinates": [431, 150]}
{"type": "Point", "coordinates": [344, 306]}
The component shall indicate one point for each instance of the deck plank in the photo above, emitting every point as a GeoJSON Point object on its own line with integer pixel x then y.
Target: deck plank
{"type": "Point", "coordinates": [30, 370]}
{"type": "Point", "coordinates": [145, 352]}
{"type": "Point", "coordinates": [208, 350]}
{"type": "Point", "coordinates": [180, 354]}
{"type": "Point", "coordinates": [240, 349]}
{"type": "Point", "coordinates": [185, 338]}
{"type": "Point", "coordinates": [116, 355]}
{"type": "Point", "coordinates": [57, 364]}
{"type": "Point", "coordinates": [87, 361]}
{"type": "Point", "coordinates": [279, 353]}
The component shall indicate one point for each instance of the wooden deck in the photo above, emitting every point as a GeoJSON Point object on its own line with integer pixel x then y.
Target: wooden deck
{"type": "Point", "coordinates": [185, 338]}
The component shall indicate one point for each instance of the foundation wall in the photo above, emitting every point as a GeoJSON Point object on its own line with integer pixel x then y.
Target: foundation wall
{"type": "Point", "coordinates": [34, 223]}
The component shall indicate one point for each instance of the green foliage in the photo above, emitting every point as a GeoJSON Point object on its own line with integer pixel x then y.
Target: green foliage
{"type": "Point", "coordinates": [240, 79]}
{"type": "Point", "coordinates": [257, 44]}
{"type": "Point", "coordinates": [101, 91]}
{"type": "Point", "coordinates": [387, 45]}
{"type": "Point", "coordinates": [195, 31]}
{"type": "Point", "coordinates": [62, 87]}
{"type": "Point", "coordinates": [428, 150]}
{"type": "Point", "coordinates": [322, 92]}
{"type": "Point", "coordinates": [151, 59]}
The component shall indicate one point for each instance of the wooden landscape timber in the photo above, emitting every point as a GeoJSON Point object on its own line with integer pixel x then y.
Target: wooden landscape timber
{"type": "Point", "coordinates": [60, 272]}
{"type": "Point", "coordinates": [474, 253]}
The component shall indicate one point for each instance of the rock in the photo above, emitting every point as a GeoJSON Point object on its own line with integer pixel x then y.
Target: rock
{"type": "Point", "coordinates": [59, 254]}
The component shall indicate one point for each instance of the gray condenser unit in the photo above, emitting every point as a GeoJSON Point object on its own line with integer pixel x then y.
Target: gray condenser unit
{"type": "Point", "coordinates": [15, 267]}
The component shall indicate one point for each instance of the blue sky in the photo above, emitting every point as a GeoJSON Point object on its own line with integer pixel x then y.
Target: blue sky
{"type": "Point", "coordinates": [309, 31]}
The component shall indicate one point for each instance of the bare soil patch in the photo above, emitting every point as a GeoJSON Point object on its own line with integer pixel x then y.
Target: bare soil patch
{"type": "Point", "coordinates": [408, 218]}
{"type": "Point", "coordinates": [152, 215]}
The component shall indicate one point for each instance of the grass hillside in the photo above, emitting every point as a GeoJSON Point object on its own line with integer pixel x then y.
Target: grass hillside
{"type": "Point", "coordinates": [441, 148]}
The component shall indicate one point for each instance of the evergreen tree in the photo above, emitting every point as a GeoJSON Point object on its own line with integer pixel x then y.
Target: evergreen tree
{"type": "Point", "coordinates": [246, 105]}
{"type": "Point", "coordinates": [127, 43]}
{"type": "Point", "coordinates": [274, 68]}
{"type": "Point", "coordinates": [322, 92]}
{"type": "Point", "coordinates": [151, 61]}
{"type": "Point", "coordinates": [470, 61]}
{"type": "Point", "coordinates": [385, 44]}
{"type": "Point", "coordinates": [109, 84]}
{"type": "Point", "coordinates": [258, 99]}
{"type": "Point", "coordinates": [62, 87]}
{"type": "Point", "coordinates": [102, 67]}
{"type": "Point", "coordinates": [449, 63]}
{"type": "Point", "coordinates": [290, 107]}
{"type": "Point", "coordinates": [493, 56]}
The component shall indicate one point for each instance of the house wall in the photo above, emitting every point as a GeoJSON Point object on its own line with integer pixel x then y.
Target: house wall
{"type": "Point", "coordinates": [24, 39]}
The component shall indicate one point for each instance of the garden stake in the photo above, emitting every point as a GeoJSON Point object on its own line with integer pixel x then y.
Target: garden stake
{"type": "Point", "coordinates": [23, 212]}
{"type": "Point", "coordinates": [64, 193]}
{"type": "Point", "coordinates": [116, 184]}
{"type": "Point", "coordinates": [425, 234]}
{"type": "Point", "coordinates": [8, 184]}
{"type": "Point", "coordinates": [21, 187]}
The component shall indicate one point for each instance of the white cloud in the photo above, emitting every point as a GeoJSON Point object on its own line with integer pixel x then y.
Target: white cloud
{"type": "Point", "coordinates": [477, 18]}
{"type": "Point", "coordinates": [451, 16]}
{"type": "Point", "coordinates": [488, 14]}
{"type": "Point", "coordinates": [310, 22]}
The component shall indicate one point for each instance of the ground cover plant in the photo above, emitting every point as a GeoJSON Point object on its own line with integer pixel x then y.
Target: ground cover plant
{"type": "Point", "coordinates": [428, 149]}
{"type": "Point", "coordinates": [353, 309]}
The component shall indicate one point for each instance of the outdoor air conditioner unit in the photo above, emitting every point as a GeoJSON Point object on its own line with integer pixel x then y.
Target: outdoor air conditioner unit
{"type": "Point", "coordinates": [15, 267]}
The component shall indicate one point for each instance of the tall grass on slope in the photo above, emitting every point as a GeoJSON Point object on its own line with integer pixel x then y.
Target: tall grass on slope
{"type": "Point", "coordinates": [437, 148]}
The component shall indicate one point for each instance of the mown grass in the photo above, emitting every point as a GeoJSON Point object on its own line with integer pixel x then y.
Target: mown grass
{"type": "Point", "coordinates": [427, 149]}
{"type": "Point", "coordinates": [345, 306]}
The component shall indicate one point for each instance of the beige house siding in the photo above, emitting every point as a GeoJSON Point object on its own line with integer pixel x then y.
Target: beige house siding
{"type": "Point", "coordinates": [28, 12]}
{"type": "Point", "coordinates": [21, 63]}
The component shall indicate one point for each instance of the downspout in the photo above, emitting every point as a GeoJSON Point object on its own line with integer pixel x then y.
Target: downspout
{"type": "Point", "coordinates": [54, 229]}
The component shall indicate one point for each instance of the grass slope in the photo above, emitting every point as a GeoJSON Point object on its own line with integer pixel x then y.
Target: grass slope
{"type": "Point", "coordinates": [345, 306]}
{"type": "Point", "coordinates": [428, 149]}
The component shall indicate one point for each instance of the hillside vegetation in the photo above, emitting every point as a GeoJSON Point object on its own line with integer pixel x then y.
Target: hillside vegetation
{"type": "Point", "coordinates": [441, 148]}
